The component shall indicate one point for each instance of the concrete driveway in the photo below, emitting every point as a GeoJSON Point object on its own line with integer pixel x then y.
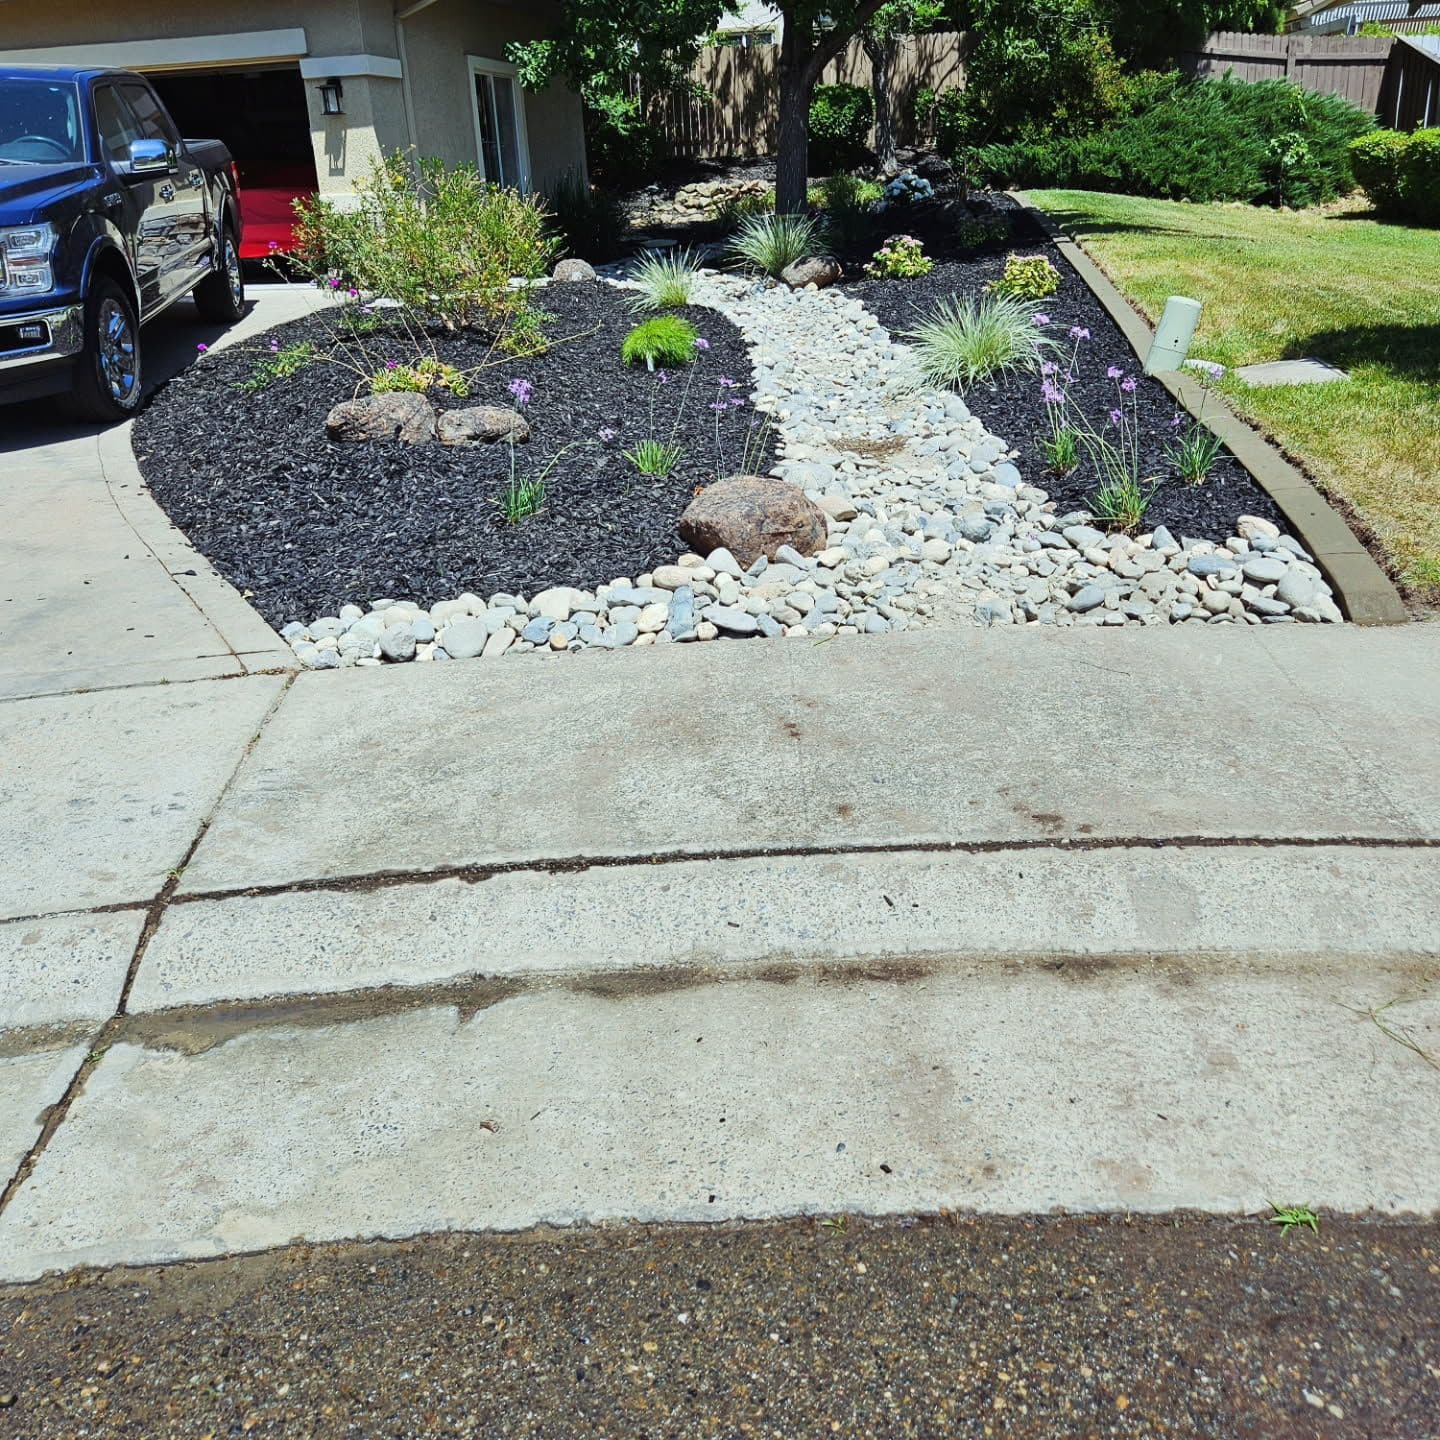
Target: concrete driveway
{"type": "Point", "coordinates": [996, 920]}
{"type": "Point", "coordinates": [98, 589]}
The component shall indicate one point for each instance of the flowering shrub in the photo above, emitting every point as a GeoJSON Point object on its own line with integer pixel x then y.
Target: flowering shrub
{"type": "Point", "coordinates": [443, 243]}
{"type": "Point", "coordinates": [906, 188]}
{"type": "Point", "coordinates": [1030, 277]}
{"type": "Point", "coordinates": [901, 257]}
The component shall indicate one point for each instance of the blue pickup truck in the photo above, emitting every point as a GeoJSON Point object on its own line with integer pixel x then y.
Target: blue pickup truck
{"type": "Point", "coordinates": [107, 216]}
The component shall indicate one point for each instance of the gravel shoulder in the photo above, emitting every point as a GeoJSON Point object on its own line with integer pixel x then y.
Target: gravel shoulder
{"type": "Point", "coordinates": [1095, 1326]}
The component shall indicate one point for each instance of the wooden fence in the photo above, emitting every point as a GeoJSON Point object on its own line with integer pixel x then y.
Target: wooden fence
{"type": "Point", "coordinates": [1410, 97]}
{"type": "Point", "coordinates": [1327, 64]}
{"type": "Point", "coordinates": [737, 114]}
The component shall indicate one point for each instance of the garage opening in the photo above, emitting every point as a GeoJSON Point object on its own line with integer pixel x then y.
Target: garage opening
{"type": "Point", "coordinates": [261, 115]}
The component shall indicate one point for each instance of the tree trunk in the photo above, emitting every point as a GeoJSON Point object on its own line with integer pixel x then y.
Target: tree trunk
{"type": "Point", "coordinates": [792, 155]}
{"type": "Point", "coordinates": [803, 59]}
{"type": "Point", "coordinates": [882, 53]}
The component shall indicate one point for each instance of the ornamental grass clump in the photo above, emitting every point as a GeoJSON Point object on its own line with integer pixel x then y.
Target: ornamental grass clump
{"type": "Point", "coordinates": [1193, 454]}
{"type": "Point", "coordinates": [768, 243]}
{"type": "Point", "coordinates": [665, 340]}
{"type": "Point", "coordinates": [665, 282]}
{"type": "Point", "coordinates": [970, 339]}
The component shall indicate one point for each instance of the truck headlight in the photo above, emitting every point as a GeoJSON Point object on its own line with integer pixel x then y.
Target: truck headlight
{"type": "Point", "coordinates": [25, 252]}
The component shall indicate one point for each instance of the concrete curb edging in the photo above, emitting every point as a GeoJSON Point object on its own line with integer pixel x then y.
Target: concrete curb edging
{"type": "Point", "coordinates": [1362, 589]}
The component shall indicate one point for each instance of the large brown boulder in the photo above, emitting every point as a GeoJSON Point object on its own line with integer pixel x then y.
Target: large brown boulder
{"type": "Point", "coordinates": [394, 415]}
{"type": "Point", "coordinates": [817, 270]}
{"type": "Point", "coordinates": [753, 515]}
{"type": "Point", "coordinates": [482, 425]}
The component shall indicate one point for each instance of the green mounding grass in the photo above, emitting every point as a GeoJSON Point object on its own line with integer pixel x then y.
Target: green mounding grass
{"type": "Point", "coordinates": [1329, 282]}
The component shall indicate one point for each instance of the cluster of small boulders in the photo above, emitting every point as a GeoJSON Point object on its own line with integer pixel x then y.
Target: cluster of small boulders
{"type": "Point", "coordinates": [927, 521]}
{"type": "Point", "coordinates": [702, 200]}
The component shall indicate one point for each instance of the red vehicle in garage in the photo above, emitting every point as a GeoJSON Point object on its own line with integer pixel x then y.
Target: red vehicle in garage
{"type": "Point", "coordinates": [260, 116]}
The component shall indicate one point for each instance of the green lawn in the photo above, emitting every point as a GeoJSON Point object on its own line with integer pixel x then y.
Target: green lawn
{"type": "Point", "coordinates": [1275, 284]}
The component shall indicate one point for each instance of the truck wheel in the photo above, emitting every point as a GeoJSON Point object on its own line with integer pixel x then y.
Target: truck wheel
{"type": "Point", "coordinates": [107, 378]}
{"type": "Point", "coordinates": [220, 296]}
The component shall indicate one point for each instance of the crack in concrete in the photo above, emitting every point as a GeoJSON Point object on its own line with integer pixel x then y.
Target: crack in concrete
{"type": "Point", "coordinates": [107, 1033]}
{"type": "Point", "coordinates": [577, 864]}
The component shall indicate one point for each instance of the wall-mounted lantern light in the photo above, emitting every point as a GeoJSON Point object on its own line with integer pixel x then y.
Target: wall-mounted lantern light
{"type": "Point", "coordinates": [332, 92]}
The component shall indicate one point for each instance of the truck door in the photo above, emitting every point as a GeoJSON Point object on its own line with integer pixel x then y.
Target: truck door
{"type": "Point", "coordinates": [183, 194]}
{"type": "Point", "coordinates": [134, 204]}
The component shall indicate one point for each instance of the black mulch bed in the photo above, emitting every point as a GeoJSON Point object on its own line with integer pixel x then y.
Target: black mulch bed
{"type": "Point", "coordinates": [304, 526]}
{"type": "Point", "coordinates": [1013, 409]}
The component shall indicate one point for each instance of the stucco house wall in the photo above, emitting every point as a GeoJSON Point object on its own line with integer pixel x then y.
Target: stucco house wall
{"type": "Point", "coordinates": [407, 82]}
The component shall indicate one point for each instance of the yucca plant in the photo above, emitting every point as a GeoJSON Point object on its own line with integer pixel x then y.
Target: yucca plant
{"type": "Point", "coordinates": [665, 282]}
{"type": "Point", "coordinates": [768, 243]}
{"type": "Point", "coordinates": [970, 339]}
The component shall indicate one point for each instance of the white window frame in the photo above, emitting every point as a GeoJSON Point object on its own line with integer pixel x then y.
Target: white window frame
{"type": "Point", "coordinates": [479, 65]}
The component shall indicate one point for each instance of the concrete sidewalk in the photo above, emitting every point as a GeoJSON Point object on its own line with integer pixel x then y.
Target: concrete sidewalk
{"type": "Point", "coordinates": [997, 920]}
{"type": "Point", "coordinates": [98, 589]}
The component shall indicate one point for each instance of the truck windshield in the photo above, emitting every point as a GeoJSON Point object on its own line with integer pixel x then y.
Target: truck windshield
{"type": "Point", "coordinates": [40, 122]}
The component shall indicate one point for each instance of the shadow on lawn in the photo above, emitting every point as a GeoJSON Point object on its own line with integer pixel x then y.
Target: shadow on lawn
{"type": "Point", "coordinates": [1408, 352]}
{"type": "Point", "coordinates": [1081, 225]}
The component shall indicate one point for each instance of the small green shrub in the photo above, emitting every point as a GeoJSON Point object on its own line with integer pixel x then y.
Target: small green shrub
{"type": "Point", "coordinates": [980, 234]}
{"type": "Point", "coordinates": [279, 363]}
{"type": "Point", "coordinates": [847, 206]}
{"type": "Point", "coordinates": [521, 499]}
{"type": "Point", "coordinates": [839, 191]}
{"type": "Point", "coordinates": [768, 243]}
{"type": "Point", "coordinates": [588, 221]}
{"type": "Point", "coordinates": [666, 281]}
{"type": "Point", "coordinates": [665, 340]}
{"type": "Point", "coordinates": [1420, 177]}
{"type": "Point", "coordinates": [1029, 277]}
{"type": "Point", "coordinates": [623, 148]}
{"type": "Point", "coordinates": [968, 339]}
{"type": "Point", "coordinates": [901, 257]}
{"type": "Point", "coordinates": [735, 211]}
{"type": "Point", "coordinates": [1400, 173]}
{"type": "Point", "coordinates": [423, 375]}
{"type": "Point", "coordinates": [840, 121]}
{"type": "Point", "coordinates": [1061, 450]}
{"type": "Point", "coordinates": [1375, 158]}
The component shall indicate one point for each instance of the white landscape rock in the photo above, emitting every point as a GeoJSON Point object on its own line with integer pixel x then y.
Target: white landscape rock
{"type": "Point", "coordinates": [930, 524]}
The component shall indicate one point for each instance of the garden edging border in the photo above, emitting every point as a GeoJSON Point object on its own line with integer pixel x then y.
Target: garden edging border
{"type": "Point", "coordinates": [1364, 592]}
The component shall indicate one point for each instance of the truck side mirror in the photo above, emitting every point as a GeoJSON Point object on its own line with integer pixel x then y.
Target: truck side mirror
{"type": "Point", "coordinates": [148, 157]}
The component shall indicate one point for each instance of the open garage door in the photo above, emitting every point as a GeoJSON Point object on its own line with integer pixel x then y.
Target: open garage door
{"type": "Point", "coordinates": [261, 115]}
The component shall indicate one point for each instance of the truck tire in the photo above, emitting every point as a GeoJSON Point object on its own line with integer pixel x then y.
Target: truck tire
{"type": "Point", "coordinates": [220, 296]}
{"type": "Point", "coordinates": [108, 376]}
